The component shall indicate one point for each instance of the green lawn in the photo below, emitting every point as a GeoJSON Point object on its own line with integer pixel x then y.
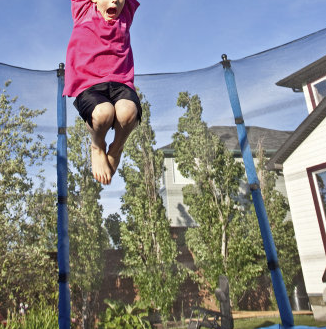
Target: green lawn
{"type": "Point", "coordinates": [303, 320]}
{"type": "Point", "coordinates": [252, 323]}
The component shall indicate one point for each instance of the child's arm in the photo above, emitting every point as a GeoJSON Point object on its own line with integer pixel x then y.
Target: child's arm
{"type": "Point", "coordinates": [79, 8]}
{"type": "Point", "coordinates": [130, 9]}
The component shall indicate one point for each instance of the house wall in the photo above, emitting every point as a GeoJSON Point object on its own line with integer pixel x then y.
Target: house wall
{"type": "Point", "coordinates": [172, 195]}
{"type": "Point", "coordinates": [311, 152]}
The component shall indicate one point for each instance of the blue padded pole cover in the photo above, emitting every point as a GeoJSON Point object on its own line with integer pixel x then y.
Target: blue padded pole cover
{"type": "Point", "coordinates": [62, 224]}
{"type": "Point", "coordinates": [270, 250]}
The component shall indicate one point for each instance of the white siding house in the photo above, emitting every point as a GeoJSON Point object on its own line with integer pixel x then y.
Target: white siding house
{"type": "Point", "coordinates": [171, 192]}
{"type": "Point", "coordinates": [303, 160]}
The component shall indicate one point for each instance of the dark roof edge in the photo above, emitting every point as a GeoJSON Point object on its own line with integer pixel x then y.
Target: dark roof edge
{"type": "Point", "coordinates": [298, 136]}
{"type": "Point", "coordinates": [269, 150]}
{"type": "Point", "coordinates": [170, 151]}
{"type": "Point", "coordinates": [307, 74]}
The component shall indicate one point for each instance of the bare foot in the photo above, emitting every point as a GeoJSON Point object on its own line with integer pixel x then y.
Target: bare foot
{"type": "Point", "coordinates": [100, 166]}
{"type": "Point", "coordinates": [114, 160]}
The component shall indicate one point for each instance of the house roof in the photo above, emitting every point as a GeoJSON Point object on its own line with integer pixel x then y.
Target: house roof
{"type": "Point", "coordinates": [298, 136]}
{"type": "Point", "coordinates": [271, 139]}
{"type": "Point", "coordinates": [308, 74]}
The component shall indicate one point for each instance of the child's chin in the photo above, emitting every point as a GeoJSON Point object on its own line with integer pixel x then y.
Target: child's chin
{"type": "Point", "coordinates": [109, 18]}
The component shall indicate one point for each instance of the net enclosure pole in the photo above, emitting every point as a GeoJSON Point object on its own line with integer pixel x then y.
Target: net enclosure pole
{"type": "Point", "coordinates": [62, 223]}
{"type": "Point", "coordinates": [268, 241]}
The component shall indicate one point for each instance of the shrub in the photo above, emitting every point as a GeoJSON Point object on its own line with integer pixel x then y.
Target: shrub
{"type": "Point", "coordinates": [120, 316]}
{"type": "Point", "coordinates": [43, 317]}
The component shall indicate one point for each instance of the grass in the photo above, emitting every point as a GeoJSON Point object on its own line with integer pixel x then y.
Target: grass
{"type": "Point", "coordinates": [251, 323]}
{"type": "Point", "coordinates": [259, 322]}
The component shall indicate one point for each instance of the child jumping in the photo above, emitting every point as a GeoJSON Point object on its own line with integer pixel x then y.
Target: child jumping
{"type": "Point", "coordinates": [100, 74]}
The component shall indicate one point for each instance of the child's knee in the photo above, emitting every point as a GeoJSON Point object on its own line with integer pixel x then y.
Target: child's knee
{"type": "Point", "coordinates": [127, 113]}
{"type": "Point", "coordinates": [130, 117]}
{"type": "Point", "coordinates": [103, 115]}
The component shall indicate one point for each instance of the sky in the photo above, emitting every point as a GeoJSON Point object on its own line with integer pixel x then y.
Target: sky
{"type": "Point", "coordinates": [167, 36]}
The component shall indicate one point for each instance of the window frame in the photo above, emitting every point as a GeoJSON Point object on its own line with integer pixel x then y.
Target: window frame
{"type": "Point", "coordinates": [320, 211]}
{"type": "Point", "coordinates": [313, 92]}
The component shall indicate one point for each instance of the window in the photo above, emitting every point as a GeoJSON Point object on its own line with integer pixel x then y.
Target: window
{"type": "Point", "coordinates": [317, 180]}
{"type": "Point", "coordinates": [317, 91]}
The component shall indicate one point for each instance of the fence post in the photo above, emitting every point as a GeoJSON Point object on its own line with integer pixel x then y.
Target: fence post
{"type": "Point", "coordinates": [223, 296]}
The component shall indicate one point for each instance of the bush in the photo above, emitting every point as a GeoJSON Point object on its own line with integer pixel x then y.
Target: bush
{"type": "Point", "coordinates": [120, 316]}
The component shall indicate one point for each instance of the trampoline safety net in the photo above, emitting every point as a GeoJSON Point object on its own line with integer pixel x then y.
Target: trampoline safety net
{"type": "Point", "coordinates": [263, 103]}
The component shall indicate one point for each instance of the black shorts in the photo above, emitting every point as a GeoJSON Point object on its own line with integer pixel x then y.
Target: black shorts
{"type": "Point", "coordinates": [104, 92]}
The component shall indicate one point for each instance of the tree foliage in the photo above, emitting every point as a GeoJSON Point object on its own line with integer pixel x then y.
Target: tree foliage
{"type": "Point", "coordinates": [150, 252]}
{"type": "Point", "coordinates": [277, 208]}
{"type": "Point", "coordinates": [27, 274]}
{"type": "Point", "coordinates": [112, 225]}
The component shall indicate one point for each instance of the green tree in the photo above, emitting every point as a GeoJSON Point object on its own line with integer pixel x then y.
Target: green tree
{"type": "Point", "coordinates": [282, 229]}
{"type": "Point", "coordinates": [112, 225]}
{"type": "Point", "coordinates": [277, 207]}
{"type": "Point", "coordinates": [26, 272]}
{"type": "Point", "coordinates": [150, 252]}
{"type": "Point", "coordinates": [88, 237]}
{"type": "Point", "coordinates": [221, 244]}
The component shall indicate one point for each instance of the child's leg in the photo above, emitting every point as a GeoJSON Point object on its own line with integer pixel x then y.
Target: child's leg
{"type": "Point", "coordinates": [125, 121]}
{"type": "Point", "coordinates": [102, 119]}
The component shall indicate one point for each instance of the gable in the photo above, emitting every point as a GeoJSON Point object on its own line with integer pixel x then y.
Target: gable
{"type": "Point", "coordinates": [299, 136]}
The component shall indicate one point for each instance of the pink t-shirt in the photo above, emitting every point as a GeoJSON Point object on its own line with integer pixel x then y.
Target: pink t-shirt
{"type": "Point", "coordinates": [98, 50]}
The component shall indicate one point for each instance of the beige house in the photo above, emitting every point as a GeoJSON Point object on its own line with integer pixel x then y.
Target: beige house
{"type": "Point", "coordinates": [303, 161]}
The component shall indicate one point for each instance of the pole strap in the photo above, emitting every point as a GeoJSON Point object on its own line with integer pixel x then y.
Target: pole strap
{"type": "Point", "coordinates": [239, 121]}
{"type": "Point", "coordinates": [62, 199]}
{"type": "Point", "coordinates": [62, 130]}
{"type": "Point", "coordinates": [273, 265]}
{"type": "Point", "coordinates": [63, 277]}
{"type": "Point", "coordinates": [254, 187]}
